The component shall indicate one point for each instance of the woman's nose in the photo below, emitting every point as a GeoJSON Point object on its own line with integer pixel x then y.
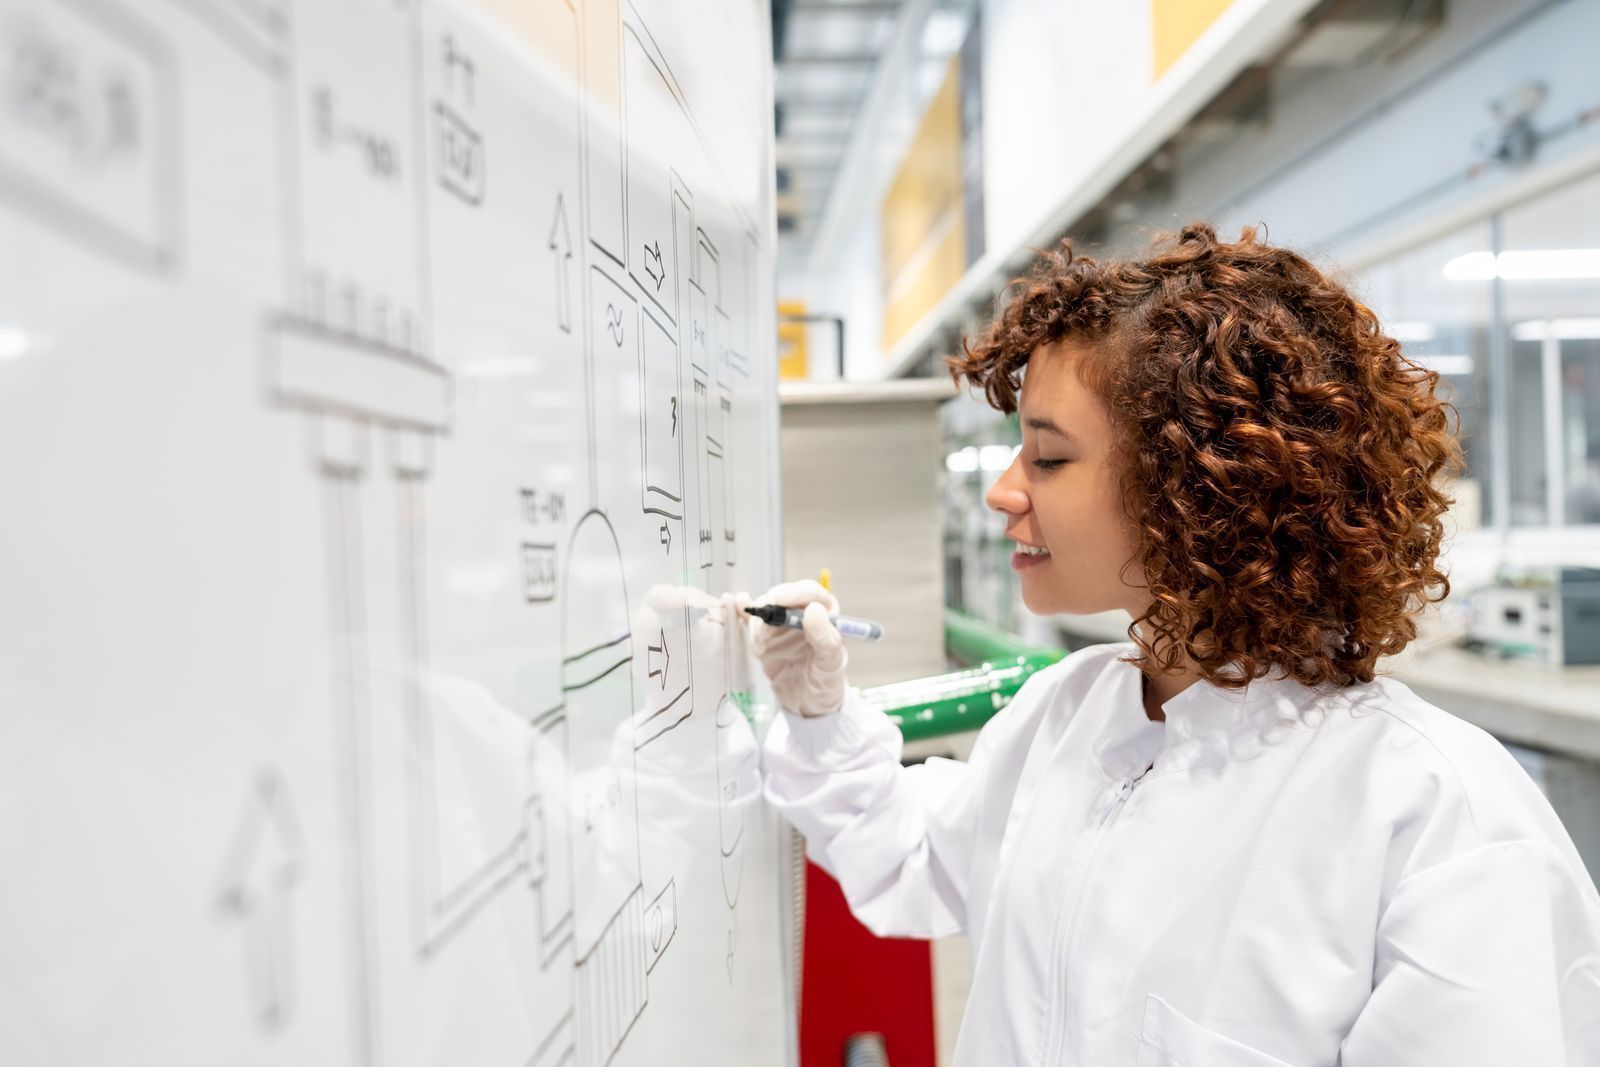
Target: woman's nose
{"type": "Point", "coordinates": [1006, 494]}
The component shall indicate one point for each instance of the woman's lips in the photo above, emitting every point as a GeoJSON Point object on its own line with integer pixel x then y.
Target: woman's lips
{"type": "Point", "coordinates": [1023, 560]}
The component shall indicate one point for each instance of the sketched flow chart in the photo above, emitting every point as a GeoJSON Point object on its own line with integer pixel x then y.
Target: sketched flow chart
{"type": "Point", "coordinates": [644, 268]}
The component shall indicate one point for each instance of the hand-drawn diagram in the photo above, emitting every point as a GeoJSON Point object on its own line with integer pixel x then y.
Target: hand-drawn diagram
{"type": "Point", "coordinates": [558, 802]}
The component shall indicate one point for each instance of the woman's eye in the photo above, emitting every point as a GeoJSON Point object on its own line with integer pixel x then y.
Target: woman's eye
{"type": "Point", "coordinates": [1048, 464]}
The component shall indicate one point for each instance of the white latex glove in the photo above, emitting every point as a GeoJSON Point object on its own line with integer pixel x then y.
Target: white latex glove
{"type": "Point", "coordinates": [806, 666]}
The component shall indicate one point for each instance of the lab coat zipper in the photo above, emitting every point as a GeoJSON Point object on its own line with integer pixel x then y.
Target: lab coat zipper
{"type": "Point", "coordinates": [1066, 925]}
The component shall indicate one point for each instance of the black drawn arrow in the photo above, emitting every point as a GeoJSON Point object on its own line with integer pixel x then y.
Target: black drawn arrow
{"type": "Point", "coordinates": [659, 274]}
{"type": "Point", "coordinates": [666, 536]}
{"type": "Point", "coordinates": [260, 873]}
{"type": "Point", "coordinates": [561, 249]}
{"type": "Point", "coordinates": [666, 659]}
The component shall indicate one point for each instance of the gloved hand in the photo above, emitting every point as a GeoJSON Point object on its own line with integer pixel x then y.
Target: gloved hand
{"type": "Point", "coordinates": [806, 666]}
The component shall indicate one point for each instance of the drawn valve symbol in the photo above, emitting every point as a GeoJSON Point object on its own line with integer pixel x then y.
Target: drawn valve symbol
{"type": "Point", "coordinates": [655, 922]}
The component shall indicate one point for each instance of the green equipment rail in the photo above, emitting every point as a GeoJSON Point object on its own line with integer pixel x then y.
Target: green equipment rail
{"type": "Point", "coordinates": [997, 664]}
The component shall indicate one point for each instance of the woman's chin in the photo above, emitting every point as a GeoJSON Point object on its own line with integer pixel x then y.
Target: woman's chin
{"type": "Point", "coordinates": [1043, 598]}
{"type": "Point", "coordinates": [1045, 601]}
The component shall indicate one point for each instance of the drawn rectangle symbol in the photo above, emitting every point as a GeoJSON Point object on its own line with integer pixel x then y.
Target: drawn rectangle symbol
{"type": "Point", "coordinates": [699, 330]}
{"type": "Point", "coordinates": [658, 384]}
{"type": "Point", "coordinates": [310, 369]}
{"type": "Point", "coordinates": [613, 336]}
{"type": "Point", "coordinates": [88, 125]}
{"type": "Point", "coordinates": [703, 297]}
{"type": "Point", "coordinates": [360, 168]}
{"type": "Point", "coordinates": [656, 131]}
{"type": "Point", "coordinates": [704, 446]}
{"type": "Point", "coordinates": [716, 505]}
{"type": "Point", "coordinates": [682, 249]}
{"type": "Point", "coordinates": [539, 573]}
{"type": "Point", "coordinates": [603, 143]}
{"type": "Point", "coordinates": [461, 162]}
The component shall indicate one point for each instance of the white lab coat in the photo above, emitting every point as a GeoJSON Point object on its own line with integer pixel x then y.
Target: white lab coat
{"type": "Point", "coordinates": [1305, 876]}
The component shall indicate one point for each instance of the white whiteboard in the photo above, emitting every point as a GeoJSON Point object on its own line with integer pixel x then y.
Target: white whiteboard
{"type": "Point", "coordinates": [384, 389]}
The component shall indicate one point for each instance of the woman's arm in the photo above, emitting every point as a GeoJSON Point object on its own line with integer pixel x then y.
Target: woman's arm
{"type": "Point", "coordinates": [898, 839]}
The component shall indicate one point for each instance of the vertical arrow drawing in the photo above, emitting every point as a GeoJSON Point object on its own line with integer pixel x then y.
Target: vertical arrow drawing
{"type": "Point", "coordinates": [262, 868]}
{"type": "Point", "coordinates": [561, 250]}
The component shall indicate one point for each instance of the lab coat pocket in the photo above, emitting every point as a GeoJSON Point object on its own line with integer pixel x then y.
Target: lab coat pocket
{"type": "Point", "coordinates": [1171, 1039]}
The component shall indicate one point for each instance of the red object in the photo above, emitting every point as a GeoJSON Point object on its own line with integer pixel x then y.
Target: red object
{"type": "Point", "coordinates": [853, 981]}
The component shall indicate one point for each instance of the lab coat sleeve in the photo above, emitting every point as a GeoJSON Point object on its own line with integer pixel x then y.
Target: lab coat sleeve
{"type": "Point", "coordinates": [1491, 957]}
{"type": "Point", "coordinates": [899, 840]}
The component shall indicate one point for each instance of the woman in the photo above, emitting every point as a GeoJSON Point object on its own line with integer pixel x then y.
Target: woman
{"type": "Point", "coordinates": [1227, 841]}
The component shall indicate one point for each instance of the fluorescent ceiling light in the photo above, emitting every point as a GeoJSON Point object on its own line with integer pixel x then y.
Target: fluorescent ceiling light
{"type": "Point", "coordinates": [1525, 264]}
{"type": "Point", "coordinates": [1550, 263]}
{"type": "Point", "coordinates": [962, 462]}
{"type": "Point", "coordinates": [1472, 267]}
{"type": "Point", "coordinates": [995, 457]}
{"type": "Point", "coordinates": [1560, 329]}
{"type": "Point", "coordinates": [1410, 331]}
{"type": "Point", "coordinates": [1453, 366]}
{"type": "Point", "coordinates": [943, 32]}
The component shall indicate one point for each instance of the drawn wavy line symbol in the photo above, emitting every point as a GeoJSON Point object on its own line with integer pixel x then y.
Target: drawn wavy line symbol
{"type": "Point", "coordinates": [614, 324]}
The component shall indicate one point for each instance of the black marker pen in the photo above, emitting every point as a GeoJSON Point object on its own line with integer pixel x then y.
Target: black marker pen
{"type": "Point", "coordinates": [778, 615]}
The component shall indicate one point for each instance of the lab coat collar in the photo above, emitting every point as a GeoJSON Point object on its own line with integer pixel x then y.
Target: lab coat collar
{"type": "Point", "coordinates": [1207, 726]}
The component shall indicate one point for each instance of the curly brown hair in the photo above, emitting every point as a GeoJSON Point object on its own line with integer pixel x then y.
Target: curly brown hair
{"type": "Point", "coordinates": [1279, 455]}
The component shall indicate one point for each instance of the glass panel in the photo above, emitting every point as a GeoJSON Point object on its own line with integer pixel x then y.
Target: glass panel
{"type": "Point", "coordinates": [1580, 429]}
{"type": "Point", "coordinates": [1550, 267]}
{"type": "Point", "coordinates": [1528, 475]}
{"type": "Point", "coordinates": [1443, 322]}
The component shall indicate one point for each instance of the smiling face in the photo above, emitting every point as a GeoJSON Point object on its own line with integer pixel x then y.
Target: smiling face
{"type": "Point", "coordinates": [1060, 494]}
